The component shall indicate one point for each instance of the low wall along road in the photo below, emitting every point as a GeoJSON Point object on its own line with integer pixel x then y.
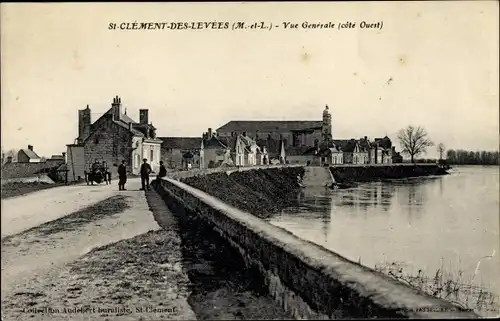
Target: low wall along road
{"type": "Point", "coordinates": [306, 279]}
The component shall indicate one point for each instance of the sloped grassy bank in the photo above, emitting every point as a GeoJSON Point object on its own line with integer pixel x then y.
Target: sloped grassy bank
{"type": "Point", "coordinates": [259, 192]}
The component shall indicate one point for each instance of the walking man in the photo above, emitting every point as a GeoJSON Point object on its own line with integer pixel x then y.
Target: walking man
{"type": "Point", "coordinates": [163, 170]}
{"type": "Point", "coordinates": [145, 171]}
{"type": "Point", "coordinates": [122, 175]}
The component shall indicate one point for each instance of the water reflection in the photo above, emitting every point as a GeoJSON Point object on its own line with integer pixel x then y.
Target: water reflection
{"type": "Point", "coordinates": [421, 221]}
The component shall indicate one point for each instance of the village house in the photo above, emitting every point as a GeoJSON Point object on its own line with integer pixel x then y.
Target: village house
{"type": "Point", "coordinates": [214, 153]}
{"type": "Point", "coordinates": [331, 155]}
{"type": "Point", "coordinates": [54, 158]}
{"type": "Point", "coordinates": [384, 150]}
{"type": "Point", "coordinates": [274, 149]}
{"type": "Point", "coordinates": [296, 155]}
{"type": "Point", "coordinates": [245, 151]}
{"type": "Point", "coordinates": [180, 152]}
{"type": "Point", "coordinates": [113, 137]}
{"type": "Point", "coordinates": [27, 155]}
{"type": "Point", "coordinates": [396, 156]}
{"type": "Point", "coordinates": [238, 150]}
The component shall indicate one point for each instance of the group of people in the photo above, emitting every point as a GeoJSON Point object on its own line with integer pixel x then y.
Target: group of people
{"type": "Point", "coordinates": [145, 171]}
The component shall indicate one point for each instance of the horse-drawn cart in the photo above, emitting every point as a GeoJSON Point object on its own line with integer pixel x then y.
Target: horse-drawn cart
{"type": "Point", "coordinates": [98, 173]}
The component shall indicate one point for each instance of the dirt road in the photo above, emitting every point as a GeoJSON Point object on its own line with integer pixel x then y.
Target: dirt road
{"type": "Point", "coordinates": [95, 253]}
{"type": "Point", "coordinates": [85, 249]}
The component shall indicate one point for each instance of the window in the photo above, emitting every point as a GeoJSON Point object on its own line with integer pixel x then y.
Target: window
{"type": "Point", "coordinates": [152, 154]}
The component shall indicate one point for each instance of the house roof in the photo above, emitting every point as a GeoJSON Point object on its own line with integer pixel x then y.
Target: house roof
{"type": "Point", "coordinates": [120, 123]}
{"type": "Point", "coordinates": [30, 154]}
{"type": "Point", "coordinates": [127, 119]}
{"type": "Point", "coordinates": [21, 170]}
{"type": "Point", "coordinates": [268, 125]}
{"type": "Point", "coordinates": [213, 142]}
{"type": "Point", "coordinates": [247, 140]}
{"type": "Point", "coordinates": [384, 142]}
{"type": "Point", "coordinates": [181, 142]}
{"type": "Point", "coordinates": [228, 142]}
{"type": "Point", "coordinates": [365, 144]}
{"type": "Point", "coordinates": [123, 122]}
{"type": "Point", "coordinates": [346, 145]}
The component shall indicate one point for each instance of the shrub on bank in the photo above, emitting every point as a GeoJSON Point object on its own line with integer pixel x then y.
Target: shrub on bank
{"type": "Point", "coordinates": [453, 287]}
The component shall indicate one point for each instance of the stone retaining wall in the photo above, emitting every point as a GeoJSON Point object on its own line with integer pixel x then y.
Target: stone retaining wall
{"type": "Point", "coordinates": [309, 281]}
{"type": "Point", "coordinates": [364, 173]}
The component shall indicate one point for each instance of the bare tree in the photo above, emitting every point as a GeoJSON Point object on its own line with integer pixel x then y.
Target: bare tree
{"type": "Point", "coordinates": [441, 149]}
{"type": "Point", "coordinates": [10, 153]}
{"type": "Point", "coordinates": [414, 141]}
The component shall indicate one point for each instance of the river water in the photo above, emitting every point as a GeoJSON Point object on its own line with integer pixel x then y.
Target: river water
{"type": "Point", "coordinates": [447, 222]}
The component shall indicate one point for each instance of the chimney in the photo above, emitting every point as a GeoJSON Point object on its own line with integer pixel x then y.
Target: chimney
{"type": "Point", "coordinates": [30, 147]}
{"type": "Point", "coordinates": [83, 123]}
{"type": "Point", "coordinates": [210, 133]}
{"type": "Point", "coordinates": [116, 108]}
{"type": "Point", "coordinates": [143, 116]}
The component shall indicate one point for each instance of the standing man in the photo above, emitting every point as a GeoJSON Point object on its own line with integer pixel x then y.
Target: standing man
{"type": "Point", "coordinates": [163, 170]}
{"type": "Point", "coordinates": [122, 175]}
{"type": "Point", "coordinates": [145, 171]}
{"type": "Point", "coordinates": [106, 174]}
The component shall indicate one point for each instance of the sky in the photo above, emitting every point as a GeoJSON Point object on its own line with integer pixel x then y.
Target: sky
{"type": "Point", "coordinates": [433, 64]}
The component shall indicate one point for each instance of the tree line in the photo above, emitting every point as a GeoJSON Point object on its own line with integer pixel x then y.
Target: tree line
{"type": "Point", "coordinates": [464, 157]}
{"type": "Point", "coordinates": [414, 141]}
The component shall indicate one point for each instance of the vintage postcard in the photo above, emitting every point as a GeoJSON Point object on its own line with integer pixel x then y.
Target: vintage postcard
{"type": "Point", "coordinates": [250, 160]}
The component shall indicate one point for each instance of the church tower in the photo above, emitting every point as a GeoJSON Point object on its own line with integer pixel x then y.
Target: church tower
{"type": "Point", "coordinates": [327, 126]}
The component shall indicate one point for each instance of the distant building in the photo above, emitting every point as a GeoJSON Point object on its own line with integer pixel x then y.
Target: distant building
{"type": "Point", "coordinates": [396, 156]}
{"type": "Point", "coordinates": [25, 172]}
{"type": "Point", "coordinates": [113, 137]}
{"type": "Point", "coordinates": [238, 150]}
{"type": "Point", "coordinates": [306, 142]}
{"type": "Point", "coordinates": [214, 153]}
{"type": "Point", "coordinates": [28, 156]}
{"type": "Point", "coordinates": [292, 133]}
{"type": "Point", "coordinates": [61, 157]}
{"type": "Point", "coordinates": [179, 152]}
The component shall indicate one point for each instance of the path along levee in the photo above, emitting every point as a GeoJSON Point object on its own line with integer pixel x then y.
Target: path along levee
{"type": "Point", "coordinates": [103, 256]}
{"type": "Point", "coordinates": [26, 211]}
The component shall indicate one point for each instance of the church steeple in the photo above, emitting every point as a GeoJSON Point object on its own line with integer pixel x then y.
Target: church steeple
{"type": "Point", "coordinates": [327, 125]}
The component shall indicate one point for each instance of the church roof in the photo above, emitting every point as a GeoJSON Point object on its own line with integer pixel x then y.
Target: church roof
{"type": "Point", "coordinates": [268, 125]}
